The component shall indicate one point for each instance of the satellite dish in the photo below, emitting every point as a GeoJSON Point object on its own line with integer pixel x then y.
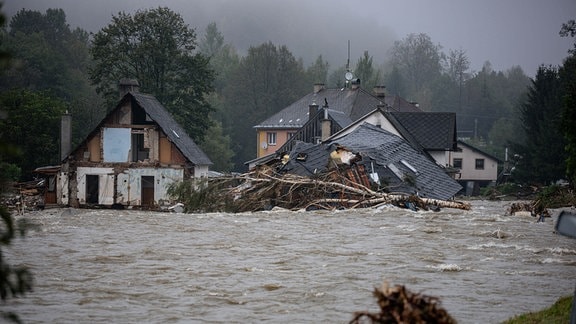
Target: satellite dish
{"type": "Point", "coordinates": [349, 76]}
{"type": "Point", "coordinates": [264, 145]}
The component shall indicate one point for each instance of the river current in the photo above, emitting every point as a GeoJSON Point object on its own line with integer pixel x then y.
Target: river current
{"type": "Point", "coordinates": [125, 266]}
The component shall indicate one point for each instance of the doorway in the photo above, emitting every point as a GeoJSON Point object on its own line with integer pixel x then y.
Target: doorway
{"type": "Point", "coordinates": [92, 189]}
{"type": "Point", "coordinates": [147, 191]}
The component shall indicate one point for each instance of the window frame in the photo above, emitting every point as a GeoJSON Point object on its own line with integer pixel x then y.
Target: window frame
{"type": "Point", "coordinates": [460, 162]}
{"type": "Point", "coordinates": [479, 164]}
{"type": "Point", "coordinates": [271, 138]}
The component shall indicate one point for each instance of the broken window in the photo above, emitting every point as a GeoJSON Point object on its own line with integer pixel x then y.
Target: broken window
{"type": "Point", "coordinates": [139, 152]}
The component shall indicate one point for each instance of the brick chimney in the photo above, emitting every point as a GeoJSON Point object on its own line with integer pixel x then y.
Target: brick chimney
{"type": "Point", "coordinates": [128, 85]}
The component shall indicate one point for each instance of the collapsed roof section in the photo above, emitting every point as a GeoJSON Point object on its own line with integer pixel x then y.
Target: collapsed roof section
{"type": "Point", "coordinates": [389, 160]}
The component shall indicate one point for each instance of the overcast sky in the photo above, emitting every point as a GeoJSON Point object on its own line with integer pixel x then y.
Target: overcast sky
{"type": "Point", "coordinates": [504, 32]}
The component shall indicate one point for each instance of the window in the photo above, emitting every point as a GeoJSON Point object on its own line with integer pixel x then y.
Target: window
{"type": "Point", "coordinates": [479, 164]}
{"type": "Point", "coordinates": [290, 134]}
{"type": "Point", "coordinates": [457, 163]}
{"type": "Point", "coordinates": [271, 138]}
{"type": "Point", "coordinates": [139, 152]}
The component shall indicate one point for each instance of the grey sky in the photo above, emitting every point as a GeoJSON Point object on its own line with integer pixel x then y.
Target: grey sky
{"type": "Point", "coordinates": [504, 32]}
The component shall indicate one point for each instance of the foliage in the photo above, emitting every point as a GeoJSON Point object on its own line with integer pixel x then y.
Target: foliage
{"type": "Point", "coordinates": [217, 146]}
{"type": "Point", "coordinates": [568, 80]}
{"type": "Point", "coordinates": [555, 196]}
{"type": "Point", "coordinates": [14, 281]}
{"type": "Point", "coordinates": [267, 80]}
{"type": "Point", "coordinates": [419, 61]}
{"type": "Point", "coordinates": [198, 196]}
{"type": "Point", "coordinates": [365, 71]}
{"type": "Point", "coordinates": [156, 47]}
{"type": "Point", "coordinates": [33, 122]}
{"type": "Point", "coordinates": [543, 155]}
{"type": "Point", "coordinates": [52, 58]}
{"type": "Point", "coordinates": [559, 312]}
{"type": "Point", "coordinates": [569, 30]}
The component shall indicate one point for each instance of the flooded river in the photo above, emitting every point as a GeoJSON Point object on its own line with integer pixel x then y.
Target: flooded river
{"type": "Point", "coordinates": [121, 266]}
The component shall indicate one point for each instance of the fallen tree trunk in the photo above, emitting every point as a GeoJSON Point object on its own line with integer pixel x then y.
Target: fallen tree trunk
{"type": "Point", "coordinates": [264, 189]}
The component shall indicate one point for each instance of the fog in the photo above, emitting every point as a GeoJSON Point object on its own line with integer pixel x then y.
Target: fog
{"type": "Point", "coordinates": [506, 33]}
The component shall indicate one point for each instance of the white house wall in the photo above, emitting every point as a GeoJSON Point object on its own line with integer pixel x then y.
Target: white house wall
{"type": "Point", "coordinates": [469, 171]}
{"type": "Point", "coordinates": [105, 187]}
{"type": "Point", "coordinates": [62, 194]}
{"type": "Point", "coordinates": [441, 157]}
{"type": "Point", "coordinates": [200, 171]}
{"type": "Point", "coordinates": [131, 192]}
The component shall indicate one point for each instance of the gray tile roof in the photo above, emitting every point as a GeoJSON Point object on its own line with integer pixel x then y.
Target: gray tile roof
{"type": "Point", "coordinates": [387, 150]}
{"type": "Point", "coordinates": [353, 103]}
{"type": "Point", "coordinates": [394, 159]}
{"type": "Point", "coordinates": [431, 130]}
{"type": "Point", "coordinates": [171, 128]}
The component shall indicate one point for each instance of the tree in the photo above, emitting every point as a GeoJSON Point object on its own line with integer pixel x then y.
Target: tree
{"type": "Point", "coordinates": [267, 80]}
{"type": "Point", "coordinates": [33, 121]}
{"type": "Point", "coordinates": [14, 281]}
{"type": "Point", "coordinates": [568, 80]}
{"type": "Point", "coordinates": [365, 71]}
{"type": "Point", "coordinates": [52, 58]}
{"type": "Point", "coordinates": [419, 61]}
{"type": "Point", "coordinates": [543, 155]}
{"type": "Point", "coordinates": [317, 72]}
{"type": "Point", "coordinates": [156, 47]}
{"type": "Point", "coordinates": [217, 146]}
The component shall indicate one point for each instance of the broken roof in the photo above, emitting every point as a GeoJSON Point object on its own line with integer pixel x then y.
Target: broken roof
{"type": "Point", "coordinates": [398, 164]}
{"type": "Point", "coordinates": [169, 126]}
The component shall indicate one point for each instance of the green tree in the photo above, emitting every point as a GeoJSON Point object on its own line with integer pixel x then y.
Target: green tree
{"type": "Point", "coordinates": [51, 57]}
{"type": "Point", "coordinates": [33, 121]}
{"type": "Point", "coordinates": [14, 280]}
{"type": "Point", "coordinates": [318, 71]}
{"type": "Point", "coordinates": [543, 155]}
{"type": "Point", "coordinates": [217, 146]}
{"type": "Point", "coordinates": [157, 48]}
{"type": "Point", "coordinates": [419, 61]}
{"type": "Point", "coordinates": [224, 61]}
{"type": "Point", "coordinates": [365, 71]}
{"type": "Point", "coordinates": [568, 79]}
{"type": "Point", "coordinates": [267, 80]}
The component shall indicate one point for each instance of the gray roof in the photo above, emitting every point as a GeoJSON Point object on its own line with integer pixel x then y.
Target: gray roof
{"type": "Point", "coordinates": [431, 130]}
{"type": "Point", "coordinates": [393, 158]}
{"type": "Point", "coordinates": [387, 150]}
{"type": "Point", "coordinates": [171, 128]}
{"type": "Point", "coordinates": [354, 103]}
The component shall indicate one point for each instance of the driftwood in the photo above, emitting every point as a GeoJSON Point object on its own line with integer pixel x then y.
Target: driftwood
{"type": "Point", "coordinates": [399, 305]}
{"type": "Point", "coordinates": [264, 189]}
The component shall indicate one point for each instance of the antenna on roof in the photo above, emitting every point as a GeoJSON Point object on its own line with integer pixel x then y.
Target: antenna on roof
{"type": "Point", "coordinates": [348, 76]}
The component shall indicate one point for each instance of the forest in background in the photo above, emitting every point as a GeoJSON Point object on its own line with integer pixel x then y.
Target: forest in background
{"type": "Point", "coordinates": [218, 94]}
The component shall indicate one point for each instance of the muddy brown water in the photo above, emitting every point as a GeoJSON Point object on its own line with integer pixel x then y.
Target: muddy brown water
{"type": "Point", "coordinates": [123, 266]}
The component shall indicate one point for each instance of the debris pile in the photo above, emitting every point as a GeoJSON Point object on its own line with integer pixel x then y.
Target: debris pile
{"type": "Point", "coordinates": [264, 189]}
{"type": "Point", "coordinates": [398, 305]}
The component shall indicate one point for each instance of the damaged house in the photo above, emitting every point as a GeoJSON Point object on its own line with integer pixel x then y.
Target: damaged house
{"type": "Point", "coordinates": [129, 159]}
{"type": "Point", "coordinates": [398, 149]}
